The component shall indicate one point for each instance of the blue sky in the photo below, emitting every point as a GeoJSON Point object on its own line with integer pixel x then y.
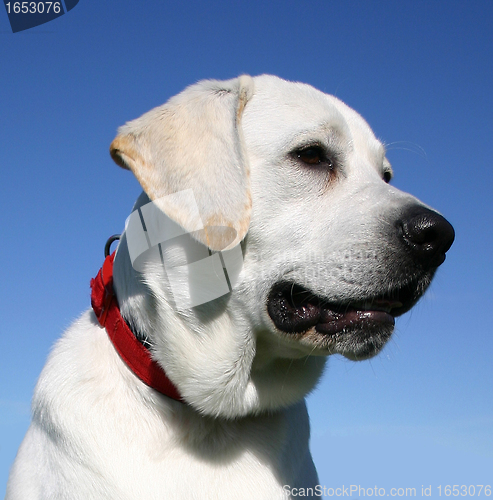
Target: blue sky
{"type": "Point", "coordinates": [420, 72]}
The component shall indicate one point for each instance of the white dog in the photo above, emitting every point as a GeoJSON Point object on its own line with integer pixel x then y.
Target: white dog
{"type": "Point", "coordinates": [286, 191]}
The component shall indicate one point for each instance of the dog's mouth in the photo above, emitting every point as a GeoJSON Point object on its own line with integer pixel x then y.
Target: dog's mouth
{"type": "Point", "coordinates": [358, 329]}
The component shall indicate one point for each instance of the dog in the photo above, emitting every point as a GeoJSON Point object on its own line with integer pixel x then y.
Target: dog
{"type": "Point", "coordinates": [168, 388]}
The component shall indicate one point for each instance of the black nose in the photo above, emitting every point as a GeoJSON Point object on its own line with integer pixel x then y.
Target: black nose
{"type": "Point", "coordinates": [427, 234]}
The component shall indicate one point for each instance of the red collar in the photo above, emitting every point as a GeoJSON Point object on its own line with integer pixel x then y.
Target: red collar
{"type": "Point", "coordinates": [133, 353]}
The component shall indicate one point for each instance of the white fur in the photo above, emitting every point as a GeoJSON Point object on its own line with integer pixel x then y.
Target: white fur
{"type": "Point", "coordinates": [97, 431]}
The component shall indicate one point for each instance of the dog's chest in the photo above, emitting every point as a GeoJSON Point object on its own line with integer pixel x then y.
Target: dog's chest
{"type": "Point", "coordinates": [241, 460]}
{"type": "Point", "coordinates": [118, 444]}
{"type": "Point", "coordinates": [255, 460]}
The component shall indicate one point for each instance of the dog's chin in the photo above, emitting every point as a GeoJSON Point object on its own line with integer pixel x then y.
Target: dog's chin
{"type": "Point", "coordinates": [357, 335]}
{"type": "Point", "coordinates": [357, 329]}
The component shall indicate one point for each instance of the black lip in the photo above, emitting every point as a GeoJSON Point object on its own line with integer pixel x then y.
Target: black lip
{"type": "Point", "coordinates": [294, 309]}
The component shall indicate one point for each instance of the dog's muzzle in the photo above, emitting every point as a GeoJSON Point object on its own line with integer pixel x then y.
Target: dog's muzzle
{"type": "Point", "coordinates": [424, 238]}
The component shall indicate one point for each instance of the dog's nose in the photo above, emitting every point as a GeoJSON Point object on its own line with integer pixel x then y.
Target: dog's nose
{"type": "Point", "coordinates": [427, 234]}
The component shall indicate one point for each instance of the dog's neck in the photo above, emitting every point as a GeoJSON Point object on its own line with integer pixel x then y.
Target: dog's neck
{"type": "Point", "coordinates": [133, 352]}
{"type": "Point", "coordinates": [217, 361]}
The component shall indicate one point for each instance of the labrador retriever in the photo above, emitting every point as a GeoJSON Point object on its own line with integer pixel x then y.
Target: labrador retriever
{"type": "Point", "coordinates": [267, 238]}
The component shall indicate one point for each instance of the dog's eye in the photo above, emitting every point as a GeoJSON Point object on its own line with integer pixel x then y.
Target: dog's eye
{"type": "Point", "coordinates": [313, 155]}
{"type": "Point", "coordinates": [387, 176]}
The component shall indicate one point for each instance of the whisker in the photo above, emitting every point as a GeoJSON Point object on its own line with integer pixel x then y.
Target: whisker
{"type": "Point", "coordinates": [407, 146]}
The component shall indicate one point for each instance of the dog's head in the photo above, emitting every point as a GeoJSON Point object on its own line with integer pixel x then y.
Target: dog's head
{"type": "Point", "coordinates": [331, 253]}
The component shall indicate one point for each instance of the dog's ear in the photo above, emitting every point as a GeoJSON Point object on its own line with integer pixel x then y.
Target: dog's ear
{"type": "Point", "coordinates": [194, 141]}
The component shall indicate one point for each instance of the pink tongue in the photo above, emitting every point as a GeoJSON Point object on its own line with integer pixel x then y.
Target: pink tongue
{"type": "Point", "coordinates": [332, 322]}
{"type": "Point", "coordinates": [329, 316]}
